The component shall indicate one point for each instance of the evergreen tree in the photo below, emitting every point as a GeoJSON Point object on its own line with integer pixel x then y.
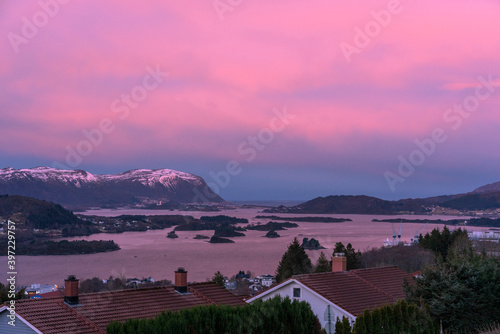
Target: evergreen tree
{"type": "Point", "coordinates": [381, 320]}
{"type": "Point", "coordinates": [367, 319]}
{"type": "Point", "coordinates": [294, 262]}
{"type": "Point", "coordinates": [406, 318]}
{"type": "Point", "coordinates": [218, 278]}
{"type": "Point", "coordinates": [343, 326]}
{"type": "Point", "coordinates": [463, 291]}
{"type": "Point", "coordinates": [347, 325]}
{"type": "Point", "coordinates": [352, 257]}
{"type": "Point", "coordinates": [4, 294]}
{"type": "Point", "coordinates": [273, 316]}
{"type": "Point", "coordinates": [322, 265]}
{"type": "Point", "coordinates": [377, 321]}
{"type": "Point", "coordinates": [359, 327]}
{"type": "Point", "coordinates": [440, 242]}
{"type": "Point", "coordinates": [339, 327]}
{"type": "Point", "coordinates": [386, 322]}
{"type": "Point", "coordinates": [398, 318]}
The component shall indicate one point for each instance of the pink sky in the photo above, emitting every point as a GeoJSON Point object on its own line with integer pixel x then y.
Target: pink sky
{"type": "Point", "coordinates": [352, 119]}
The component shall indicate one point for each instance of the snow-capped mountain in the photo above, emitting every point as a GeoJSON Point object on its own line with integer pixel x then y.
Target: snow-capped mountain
{"type": "Point", "coordinates": [78, 188]}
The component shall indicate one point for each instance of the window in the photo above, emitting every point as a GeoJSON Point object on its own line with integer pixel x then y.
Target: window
{"type": "Point", "coordinates": [296, 292]}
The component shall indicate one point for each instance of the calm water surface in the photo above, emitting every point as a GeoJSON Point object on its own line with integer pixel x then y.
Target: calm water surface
{"type": "Point", "coordinates": [150, 253]}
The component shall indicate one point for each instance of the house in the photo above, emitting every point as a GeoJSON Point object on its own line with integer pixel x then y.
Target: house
{"type": "Point", "coordinates": [266, 280]}
{"type": "Point", "coordinates": [91, 313]}
{"type": "Point", "coordinates": [342, 293]}
{"type": "Point", "coordinates": [37, 289]}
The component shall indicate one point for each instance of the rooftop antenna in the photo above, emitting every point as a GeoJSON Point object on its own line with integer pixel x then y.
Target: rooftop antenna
{"type": "Point", "coordinates": [399, 235]}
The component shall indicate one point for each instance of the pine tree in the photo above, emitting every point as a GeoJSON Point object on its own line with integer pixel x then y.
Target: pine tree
{"type": "Point", "coordinates": [398, 317]}
{"type": "Point", "coordinates": [367, 318]}
{"type": "Point", "coordinates": [294, 262]}
{"type": "Point", "coordinates": [347, 325]}
{"type": "Point", "coordinates": [322, 265]}
{"type": "Point", "coordinates": [359, 326]}
{"type": "Point", "coordinates": [218, 278]}
{"type": "Point", "coordinates": [339, 327]}
{"type": "Point", "coordinates": [377, 321]}
{"type": "Point", "coordinates": [352, 257]}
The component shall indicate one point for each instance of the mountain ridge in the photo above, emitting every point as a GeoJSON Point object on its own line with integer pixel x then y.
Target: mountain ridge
{"type": "Point", "coordinates": [362, 204]}
{"type": "Point", "coordinates": [79, 188]}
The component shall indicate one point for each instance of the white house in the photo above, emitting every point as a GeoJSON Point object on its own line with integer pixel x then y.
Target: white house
{"type": "Point", "coordinates": [266, 280]}
{"type": "Point", "coordinates": [342, 293]}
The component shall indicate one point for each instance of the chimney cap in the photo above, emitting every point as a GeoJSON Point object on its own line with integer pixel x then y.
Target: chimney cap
{"type": "Point", "coordinates": [181, 270]}
{"type": "Point", "coordinates": [71, 278]}
{"type": "Point", "coordinates": [339, 254]}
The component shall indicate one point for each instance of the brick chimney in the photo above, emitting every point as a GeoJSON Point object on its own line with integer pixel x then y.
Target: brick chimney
{"type": "Point", "coordinates": [339, 262]}
{"type": "Point", "coordinates": [181, 280]}
{"type": "Point", "coordinates": [71, 290]}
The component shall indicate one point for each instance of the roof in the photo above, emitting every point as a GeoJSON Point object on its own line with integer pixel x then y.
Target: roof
{"type": "Point", "coordinates": [51, 315]}
{"type": "Point", "coordinates": [354, 290]}
{"type": "Point", "coordinates": [57, 293]}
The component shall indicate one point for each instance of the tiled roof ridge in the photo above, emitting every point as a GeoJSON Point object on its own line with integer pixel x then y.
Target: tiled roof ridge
{"type": "Point", "coordinates": [299, 276]}
{"type": "Point", "coordinates": [200, 283]}
{"type": "Point", "coordinates": [124, 290]}
{"type": "Point", "coordinates": [374, 268]}
{"type": "Point", "coordinates": [200, 295]}
{"type": "Point", "coordinates": [86, 320]}
{"type": "Point", "coordinates": [353, 272]}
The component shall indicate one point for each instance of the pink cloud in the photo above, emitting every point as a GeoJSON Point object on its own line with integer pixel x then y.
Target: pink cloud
{"type": "Point", "coordinates": [227, 76]}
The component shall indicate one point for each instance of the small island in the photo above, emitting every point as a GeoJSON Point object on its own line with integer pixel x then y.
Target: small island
{"type": "Point", "coordinates": [272, 234]}
{"type": "Point", "coordinates": [218, 240]}
{"type": "Point", "coordinates": [311, 244]}
{"type": "Point", "coordinates": [227, 231]}
{"type": "Point", "coordinates": [63, 247]}
{"type": "Point", "coordinates": [307, 219]}
{"type": "Point", "coordinates": [200, 236]}
{"type": "Point", "coordinates": [172, 235]}
{"type": "Point", "coordinates": [271, 226]}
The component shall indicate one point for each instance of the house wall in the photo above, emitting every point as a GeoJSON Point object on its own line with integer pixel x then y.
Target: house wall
{"type": "Point", "coordinates": [318, 305]}
{"type": "Point", "coordinates": [20, 327]}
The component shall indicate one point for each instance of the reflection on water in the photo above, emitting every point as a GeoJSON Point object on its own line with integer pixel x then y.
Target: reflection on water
{"type": "Point", "coordinates": [150, 253]}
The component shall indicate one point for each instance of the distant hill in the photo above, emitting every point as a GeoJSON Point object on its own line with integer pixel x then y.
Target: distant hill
{"type": "Point", "coordinates": [371, 205]}
{"type": "Point", "coordinates": [353, 204]}
{"type": "Point", "coordinates": [81, 189]}
{"type": "Point", "coordinates": [475, 201]}
{"type": "Point", "coordinates": [492, 187]}
{"type": "Point", "coordinates": [33, 213]}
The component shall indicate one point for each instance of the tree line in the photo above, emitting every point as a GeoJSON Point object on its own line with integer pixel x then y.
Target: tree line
{"type": "Point", "coordinates": [276, 315]}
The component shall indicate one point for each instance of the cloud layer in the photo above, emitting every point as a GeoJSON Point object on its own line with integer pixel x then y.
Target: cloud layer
{"type": "Point", "coordinates": [64, 66]}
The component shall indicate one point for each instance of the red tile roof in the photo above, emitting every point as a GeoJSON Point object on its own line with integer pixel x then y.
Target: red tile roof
{"type": "Point", "coordinates": [57, 293]}
{"type": "Point", "coordinates": [51, 315]}
{"type": "Point", "coordinates": [360, 289]}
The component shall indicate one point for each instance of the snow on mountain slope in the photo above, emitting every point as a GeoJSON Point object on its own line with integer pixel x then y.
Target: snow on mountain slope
{"type": "Point", "coordinates": [79, 187]}
{"type": "Point", "coordinates": [75, 177]}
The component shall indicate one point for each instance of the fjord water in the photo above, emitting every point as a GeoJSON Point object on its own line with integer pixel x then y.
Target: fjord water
{"type": "Point", "coordinates": [151, 254]}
